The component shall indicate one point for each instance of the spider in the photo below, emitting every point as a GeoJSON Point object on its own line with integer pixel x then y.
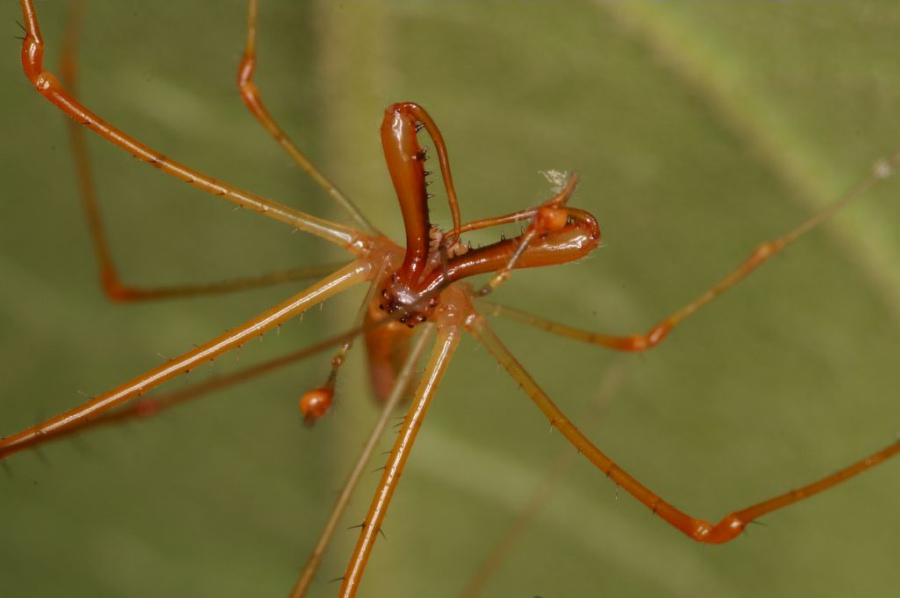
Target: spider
{"type": "Point", "coordinates": [696, 401]}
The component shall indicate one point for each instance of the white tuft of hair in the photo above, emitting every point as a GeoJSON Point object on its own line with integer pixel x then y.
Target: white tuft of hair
{"type": "Point", "coordinates": [556, 178]}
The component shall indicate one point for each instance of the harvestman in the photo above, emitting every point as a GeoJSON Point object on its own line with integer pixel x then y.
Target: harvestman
{"type": "Point", "coordinates": [419, 284]}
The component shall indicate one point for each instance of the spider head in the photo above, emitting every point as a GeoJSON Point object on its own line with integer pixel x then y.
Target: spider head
{"type": "Point", "coordinates": [397, 295]}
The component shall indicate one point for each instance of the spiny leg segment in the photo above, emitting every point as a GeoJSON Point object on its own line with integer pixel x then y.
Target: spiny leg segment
{"type": "Point", "coordinates": [882, 170]}
{"type": "Point", "coordinates": [445, 346]}
{"type": "Point", "coordinates": [112, 284]}
{"type": "Point", "coordinates": [250, 95]}
{"type": "Point", "coordinates": [151, 406]}
{"type": "Point", "coordinates": [49, 86]}
{"type": "Point", "coordinates": [404, 378]}
{"type": "Point", "coordinates": [610, 380]}
{"type": "Point", "coordinates": [698, 529]}
{"type": "Point", "coordinates": [345, 278]}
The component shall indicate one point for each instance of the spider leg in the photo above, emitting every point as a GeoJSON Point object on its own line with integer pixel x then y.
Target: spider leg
{"type": "Point", "coordinates": [763, 253]}
{"type": "Point", "coordinates": [49, 86]}
{"type": "Point", "coordinates": [542, 493]}
{"type": "Point", "coordinates": [445, 345]}
{"type": "Point", "coordinates": [145, 408]}
{"type": "Point", "coordinates": [699, 529]}
{"type": "Point", "coordinates": [112, 284]}
{"type": "Point", "coordinates": [405, 378]}
{"type": "Point", "coordinates": [251, 97]}
{"type": "Point", "coordinates": [348, 276]}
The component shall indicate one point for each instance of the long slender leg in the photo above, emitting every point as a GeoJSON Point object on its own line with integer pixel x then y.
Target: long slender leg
{"type": "Point", "coordinates": [698, 529]}
{"type": "Point", "coordinates": [48, 86]}
{"type": "Point", "coordinates": [447, 341]}
{"type": "Point", "coordinates": [117, 291]}
{"type": "Point", "coordinates": [346, 277]}
{"type": "Point", "coordinates": [112, 284]}
{"type": "Point", "coordinates": [404, 379]}
{"type": "Point", "coordinates": [765, 251]}
{"type": "Point", "coordinates": [151, 406]}
{"type": "Point", "coordinates": [251, 97]}
{"type": "Point", "coordinates": [611, 378]}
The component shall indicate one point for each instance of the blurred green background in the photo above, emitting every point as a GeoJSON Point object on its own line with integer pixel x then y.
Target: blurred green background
{"type": "Point", "coordinates": [698, 130]}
